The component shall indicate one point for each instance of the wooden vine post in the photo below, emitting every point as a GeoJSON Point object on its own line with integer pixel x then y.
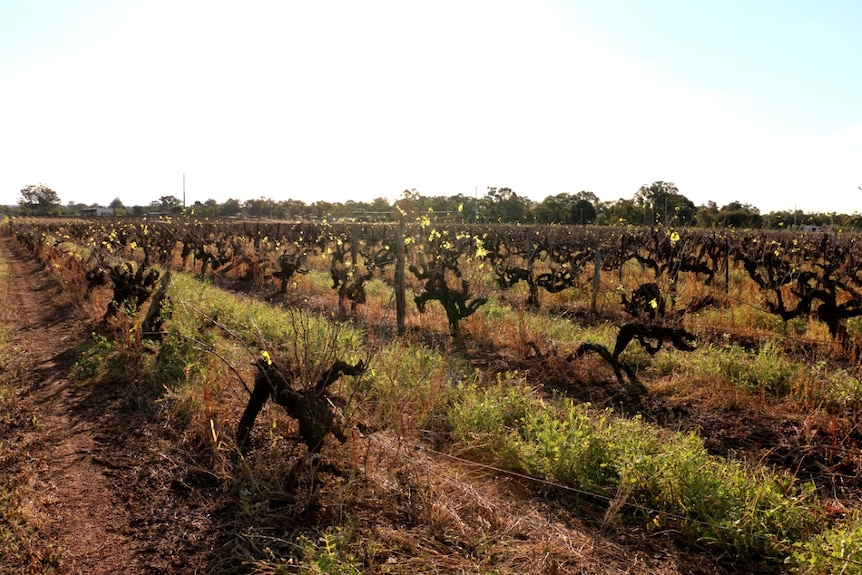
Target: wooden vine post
{"type": "Point", "coordinates": [354, 249]}
{"type": "Point", "coordinates": [622, 254]}
{"type": "Point", "coordinates": [726, 265]}
{"type": "Point", "coordinates": [597, 279]}
{"type": "Point", "coordinates": [400, 295]}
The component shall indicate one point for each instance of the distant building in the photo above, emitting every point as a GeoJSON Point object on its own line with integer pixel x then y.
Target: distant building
{"type": "Point", "coordinates": [97, 211]}
{"type": "Point", "coordinates": [812, 228]}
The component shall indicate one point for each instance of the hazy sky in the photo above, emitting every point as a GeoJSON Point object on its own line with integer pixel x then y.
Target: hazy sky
{"type": "Point", "coordinates": [758, 101]}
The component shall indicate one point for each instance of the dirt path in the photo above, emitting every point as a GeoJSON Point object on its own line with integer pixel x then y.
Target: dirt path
{"type": "Point", "coordinates": [75, 504]}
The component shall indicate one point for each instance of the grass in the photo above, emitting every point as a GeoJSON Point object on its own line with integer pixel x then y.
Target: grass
{"type": "Point", "coordinates": [768, 371]}
{"type": "Point", "coordinates": [764, 371]}
{"type": "Point", "coordinates": [663, 480]}
{"type": "Point", "coordinates": [410, 384]}
{"type": "Point", "coordinates": [668, 477]}
{"type": "Point", "coordinates": [746, 510]}
{"type": "Point", "coordinates": [203, 313]}
{"type": "Point", "coordinates": [329, 554]}
{"type": "Point", "coordinates": [214, 337]}
{"type": "Point", "coordinates": [837, 550]}
{"type": "Point", "coordinates": [498, 324]}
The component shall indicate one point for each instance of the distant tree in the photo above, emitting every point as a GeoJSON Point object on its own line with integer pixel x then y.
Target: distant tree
{"type": "Point", "coordinates": [73, 208]}
{"type": "Point", "coordinates": [466, 206]}
{"type": "Point", "coordinates": [293, 209]}
{"type": "Point", "coordinates": [603, 211]}
{"type": "Point", "coordinates": [338, 210]}
{"type": "Point", "coordinates": [321, 209]}
{"type": "Point", "coordinates": [210, 208]}
{"type": "Point", "coordinates": [408, 205]}
{"type": "Point", "coordinates": [278, 210]}
{"type": "Point", "coordinates": [411, 194]}
{"type": "Point", "coordinates": [783, 220]}
{"type": "Point", "coordinates": [555, 209]}
{"type": "Point", "coordinates": [583, 212]}
{"type": "Point", "coordinates": [349, 209]}
{"type": "Point", "coordinates": [849, 221]}
{"type": "Point", "coordinates": [588, 196]}
{"type": "Point", "coordinates": [206, 209]}
{"type": "Point", "coordinates": [663, 204]}
{"type": "Point", "coordinates": [169, 204]}
{"type": "Point", "coordinates": [706, 216]}
{"type": "Point", "coordinates": [739, 215]}
{"type": "Point", "coordinates": [261, 207]}
{"type": "Point", "coordinates": [118, 207]}
{"type": "Point", "coordinates": [39, 200]}
{"type": "Point", "coordinates": [505, 206]}
{"type": "Point", "coordinates": [624, 212]}
{"type": "Point", "coordinates": [379, 210]}
{"type": "Point", "coordinates": [230, 208]}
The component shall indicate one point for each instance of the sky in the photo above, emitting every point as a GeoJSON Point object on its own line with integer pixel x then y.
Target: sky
{"type": "Point", "coordinates": [756, 101]}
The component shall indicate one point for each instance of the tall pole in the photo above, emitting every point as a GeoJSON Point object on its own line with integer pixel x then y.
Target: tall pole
{"type": "Point", "coordinates": [400, 291]}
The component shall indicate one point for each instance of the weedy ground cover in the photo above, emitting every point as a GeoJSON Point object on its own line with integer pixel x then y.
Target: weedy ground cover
{"type": "Point", "coordinates": [666, 479]}
{"type": "Point", "coordinates": [468, 399]}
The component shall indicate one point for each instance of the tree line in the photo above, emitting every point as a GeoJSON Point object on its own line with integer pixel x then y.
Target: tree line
{"type": "Point", "coordinates": [657, 203]}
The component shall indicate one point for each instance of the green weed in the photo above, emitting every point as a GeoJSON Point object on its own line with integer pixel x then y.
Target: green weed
{"type": "Point", "coordinates": [506, 326]}
{"type": "Point", "coordinates": [206, 324]}
{"type": "Point", "coordinates": [747, 510]}
{"type": "Point", "coordinates": [328, 555]}
{"type": "Point", "coordinates": [835, 551]}
{"type": "Point", "coordinates": [94, 358]}
{"type": "Point", "coordinates": [410, 386]}
{"type": "Point", "coordinates": [763, 371]}
{"type": "Point", "coordinates": [491, 413]}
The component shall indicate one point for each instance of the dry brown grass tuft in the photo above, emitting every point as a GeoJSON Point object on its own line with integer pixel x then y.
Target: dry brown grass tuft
{"type": "Point", "coordinates": [443, 514]}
